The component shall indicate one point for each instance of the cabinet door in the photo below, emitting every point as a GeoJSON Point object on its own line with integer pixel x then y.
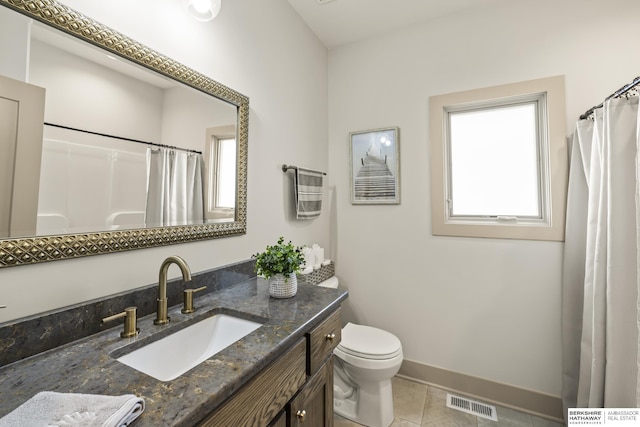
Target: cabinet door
{"type": "Point", "coordinates": [280, 420]}
{"type": "Point", "coordinates": [313, 406]}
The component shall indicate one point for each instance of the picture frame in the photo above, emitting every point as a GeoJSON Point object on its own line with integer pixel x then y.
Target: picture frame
{"type": "Point", "coordinates": [375, 166]}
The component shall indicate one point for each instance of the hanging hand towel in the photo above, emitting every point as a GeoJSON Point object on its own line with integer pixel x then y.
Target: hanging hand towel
{"type": "Point", "coordinates": [50, 409]}
{"type": "Point", "coordinates": [308, 191]}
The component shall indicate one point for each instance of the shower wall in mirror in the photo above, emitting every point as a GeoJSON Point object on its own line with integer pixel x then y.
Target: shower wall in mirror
{"type": "Point", "coordinates": [110, 103]}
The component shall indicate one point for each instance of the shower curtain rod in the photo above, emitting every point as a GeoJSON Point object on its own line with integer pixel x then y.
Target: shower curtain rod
{"type": "Point", "coordinates": [123, 138]}
{"type": "Point", "coordinates": [624, 89]}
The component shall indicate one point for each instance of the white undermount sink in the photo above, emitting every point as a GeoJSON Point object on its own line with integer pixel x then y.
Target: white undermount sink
{"type": "Point", "coordinates": [175, 354]}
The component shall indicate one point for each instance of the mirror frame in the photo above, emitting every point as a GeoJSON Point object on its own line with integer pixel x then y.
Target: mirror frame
{"type": "Point", "coordinates": [30, 250]}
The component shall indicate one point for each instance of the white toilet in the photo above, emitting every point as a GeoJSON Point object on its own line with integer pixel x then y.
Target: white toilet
{"type": "Point", "coordinates": [365, 361]}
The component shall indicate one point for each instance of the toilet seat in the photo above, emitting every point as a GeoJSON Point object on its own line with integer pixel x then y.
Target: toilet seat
{"type": "Point", "coordinates": [370, 343]}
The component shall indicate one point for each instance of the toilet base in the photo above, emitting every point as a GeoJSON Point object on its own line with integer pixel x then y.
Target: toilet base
{"type": "Point", "coordinates": [371, 404]}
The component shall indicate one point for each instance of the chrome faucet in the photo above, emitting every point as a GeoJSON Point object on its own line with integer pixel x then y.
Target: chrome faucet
{"type": "Point", "coordinates": [161, 316]}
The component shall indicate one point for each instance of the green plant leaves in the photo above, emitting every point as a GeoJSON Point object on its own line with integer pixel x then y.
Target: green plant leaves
{"type": "Point", "coordinates": [281, 258]}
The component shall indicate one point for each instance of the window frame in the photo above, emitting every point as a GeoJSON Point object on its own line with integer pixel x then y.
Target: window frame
{"type": "Point", "coordinates": [216, 182]}
{"type": "Point", "coordinates": [213, 136]}
{"type": "Point", "coordinates": [552, 161]}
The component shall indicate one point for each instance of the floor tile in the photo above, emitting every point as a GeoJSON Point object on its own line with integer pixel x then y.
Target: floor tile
{"type": "Point", "coordinates": [419, 405]}
{"type": "Point", "coordinates": [338, 421]}
{"type": "Point", "coordinates": [506, 418]}
{"type": "Point", "coordinates": [436, 413]}
{"type": "Point", "coordinates": [399, 422]}
{"type": "Point", "coordinates": [543, 422]}
{"type": "Point", "coordinates": [409, 399]}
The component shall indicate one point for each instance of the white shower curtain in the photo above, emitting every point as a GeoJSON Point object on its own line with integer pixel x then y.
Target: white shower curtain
{"type": "Point", "coordinates": [174, 188]}
{"type": "Point", "coordinates": [600, 280]}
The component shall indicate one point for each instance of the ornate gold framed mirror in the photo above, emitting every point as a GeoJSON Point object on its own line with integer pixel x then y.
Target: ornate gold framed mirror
{"type": "Point", "coordinates": [25, 248]}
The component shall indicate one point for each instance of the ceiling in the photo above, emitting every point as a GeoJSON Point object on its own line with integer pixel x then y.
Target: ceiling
{"type": "Point", "coordinates": [338, 22]}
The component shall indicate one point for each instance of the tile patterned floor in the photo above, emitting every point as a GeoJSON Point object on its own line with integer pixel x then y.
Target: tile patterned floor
{"type": "Point", "coordinates": [419, 405]}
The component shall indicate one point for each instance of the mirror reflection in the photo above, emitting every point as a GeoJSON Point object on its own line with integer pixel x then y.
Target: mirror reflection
{"type": "Point", "coordinates": [122, 148]}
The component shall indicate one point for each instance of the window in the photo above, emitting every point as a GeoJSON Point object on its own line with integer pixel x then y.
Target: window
{"type": "Point", "coordinates": [225, 178]}
{"type": "Point", "coordinates": [220, 183]}
{"type": "Point", "coordinates": [499, 161]}
{"type": "Point", "coordinates": [494, 161]}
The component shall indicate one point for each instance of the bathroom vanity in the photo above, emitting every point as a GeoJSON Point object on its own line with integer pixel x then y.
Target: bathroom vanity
{"type": "Point", "coordinates": [302, 377]}
{"type": "Point", "coordinates": [280, 374]}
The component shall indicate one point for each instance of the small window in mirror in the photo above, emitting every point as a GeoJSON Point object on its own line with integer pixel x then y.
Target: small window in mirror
{"type": "Point", "coordinates": [225, 179]}
{"type": "Point", "coordinates": [220, 160]}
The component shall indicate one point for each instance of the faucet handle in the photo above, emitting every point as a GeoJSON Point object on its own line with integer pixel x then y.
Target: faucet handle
{"type": "Point", "coordinates": [188, 299]}
{"type": "Point", "coordinates": [130, 322]}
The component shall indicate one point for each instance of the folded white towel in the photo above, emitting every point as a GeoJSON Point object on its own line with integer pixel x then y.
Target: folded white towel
{"type": "Point", "coordinates": [49, 409]}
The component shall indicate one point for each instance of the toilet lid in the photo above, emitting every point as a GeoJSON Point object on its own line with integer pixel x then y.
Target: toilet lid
{"type": "Point", "coordinates": [368, 342]}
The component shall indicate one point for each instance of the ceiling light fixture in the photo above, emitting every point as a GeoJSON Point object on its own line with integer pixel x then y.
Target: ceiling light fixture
{"type": "Point", "coordinates": [202, 10]}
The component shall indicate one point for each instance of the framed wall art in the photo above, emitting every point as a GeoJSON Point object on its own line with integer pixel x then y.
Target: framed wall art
{"type": "Point", "coordinates": [375, 166]}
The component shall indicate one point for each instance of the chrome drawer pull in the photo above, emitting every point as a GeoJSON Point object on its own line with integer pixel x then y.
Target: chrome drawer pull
{"type": "Point", "coordinates": [331, 337]}
{"type": "Point", "coordinates": [301, 414]}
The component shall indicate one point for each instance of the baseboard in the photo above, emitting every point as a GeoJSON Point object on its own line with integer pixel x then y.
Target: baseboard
{"type": "Point", "coordinates": [533, 402]}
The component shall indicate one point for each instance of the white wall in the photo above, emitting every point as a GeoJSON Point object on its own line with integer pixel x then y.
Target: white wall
{"type": "Point", "coordinates": [261, 49]}
{"type": "Point", "coordinates": [187, 114]}
{"type": "Point", "coordinates": [482, 307]}
{"type": "Point", "coordinates": [89, 96]}
{"type": "Point", "coordinates": [14, 45]}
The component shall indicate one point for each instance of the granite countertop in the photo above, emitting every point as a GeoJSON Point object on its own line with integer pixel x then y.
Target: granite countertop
{"type": "Point", "coordinates": [85, 365]}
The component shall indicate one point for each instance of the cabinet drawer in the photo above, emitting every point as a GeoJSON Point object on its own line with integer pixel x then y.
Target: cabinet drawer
{"type": "Point", "coordinates": [258, 402]}
{"type": "Point", "coordinates": [321, 341]}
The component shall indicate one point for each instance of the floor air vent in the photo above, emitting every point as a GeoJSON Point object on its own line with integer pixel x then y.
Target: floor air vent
{"type": "Point", "coordinates": [472, 407]}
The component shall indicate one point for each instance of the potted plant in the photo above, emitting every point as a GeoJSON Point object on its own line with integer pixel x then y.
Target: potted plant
{"type": "Point", "coordinates": [279, 264]}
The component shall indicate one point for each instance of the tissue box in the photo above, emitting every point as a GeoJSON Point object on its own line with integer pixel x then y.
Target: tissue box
{"type": "Point", "coordinates": [317, 276]}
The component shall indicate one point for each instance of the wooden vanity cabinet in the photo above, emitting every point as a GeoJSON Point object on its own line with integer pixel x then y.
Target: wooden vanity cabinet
{"type": "Point", "coordinates": [296, 390]}
{"type": "Point", "coordinates": [313, 405]}
{"type": "Point", "coordinates": [259, 401]}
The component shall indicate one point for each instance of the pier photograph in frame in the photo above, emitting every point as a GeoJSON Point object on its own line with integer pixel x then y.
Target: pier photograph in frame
{"type": "Point", "coordinates": [375, 166]}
